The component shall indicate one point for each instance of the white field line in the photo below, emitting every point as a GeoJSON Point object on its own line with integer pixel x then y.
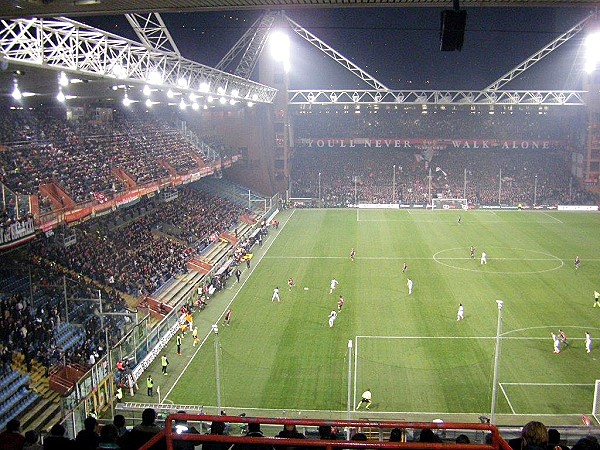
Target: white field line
{"type": "Point", "coordinates": [289, 412]}
{"type": "Point", "coordinates": [508, 338]}
{"type": "Point", "coordinates": [507, 399]}
{"type": "Point", "coordinates": [552, 217]}
{"type": "Point", "coordinates": [430, 258]}
{"type": "Point", "coordinates": [226, 308]}
{"type": "Point", "coordinates": [549, 384]}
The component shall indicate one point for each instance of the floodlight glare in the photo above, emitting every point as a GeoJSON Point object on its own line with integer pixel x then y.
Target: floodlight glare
{"type": "Point", "coordinates": [182, 104]}
{"type": "Point", "coordinates": [250, 104]}
{"type": "Point", "coordinates": [193, 97]}
{"type": "Point", "coordinates": [210, 99]}
{"type": "Point", "coordinates": [16, 93]}
{"type": "Point", "coordinates": [232, 102]}
{"type": "Point", "coordinates": [222, 100]}
{"type": "Point", "coordinates": [126, 100]}
{"type": "Point", "coordinates": [119, 71]}
{"type": "Point", "coordinates": [235, 92]}
{"type": "Point", "coordinates": [60, 96]}
{"type": "Point", "coordinates": [592, 47]}
{"type": "Point", "coordinates": [195, 106]}
{"type": "Point", "coordinates": [63, 80]}
{"type": "Point", "coordinates": [148, 103]}
{"type": "Point", "coordinates": [182, 83]}
{"type": "Point", "coordinates": [204, 87]}
{"type": "Point", "coordinates": [170, 93]}
{"type": "Point", "coordinates": [154, 77]}
{"type": "Point", "coordinates": [220, 90]}
{"type": "Point", "coordinates": [280, 46]}
{"type": "Point", "coordinates": [146, 90]}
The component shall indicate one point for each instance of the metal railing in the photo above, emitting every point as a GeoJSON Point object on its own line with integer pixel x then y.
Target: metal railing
{"type": "Point", "coordinates": [171, 434]}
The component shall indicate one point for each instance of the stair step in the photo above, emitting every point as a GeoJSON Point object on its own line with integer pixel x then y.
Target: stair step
{"type": "Point", "coordinates": [45, 420]}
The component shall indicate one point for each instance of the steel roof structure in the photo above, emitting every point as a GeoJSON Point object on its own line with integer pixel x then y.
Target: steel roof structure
{"type": "Point", "coordinates": [53, 8]}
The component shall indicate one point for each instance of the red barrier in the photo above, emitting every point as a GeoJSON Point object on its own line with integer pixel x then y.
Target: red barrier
{"type": "Point", "coordinates": [169, 434]}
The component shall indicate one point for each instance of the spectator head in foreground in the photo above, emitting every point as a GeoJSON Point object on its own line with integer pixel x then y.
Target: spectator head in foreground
{"type": "Point", "coordinates": [534, 435]}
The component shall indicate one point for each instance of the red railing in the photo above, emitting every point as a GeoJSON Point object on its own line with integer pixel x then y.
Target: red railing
{"type": "Point", "coordinates": [169, 435]}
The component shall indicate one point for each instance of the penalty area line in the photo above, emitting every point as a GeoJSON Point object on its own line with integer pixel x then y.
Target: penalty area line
{"type": "Point", "coordinates": [507, 399]}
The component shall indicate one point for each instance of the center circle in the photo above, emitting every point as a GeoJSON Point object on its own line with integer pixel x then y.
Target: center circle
{"type": "Point", "coordinates": [504, 257]}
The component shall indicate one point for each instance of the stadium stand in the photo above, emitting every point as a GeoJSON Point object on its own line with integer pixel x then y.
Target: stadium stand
{"type": "Point", "coordinates": [146, 251]}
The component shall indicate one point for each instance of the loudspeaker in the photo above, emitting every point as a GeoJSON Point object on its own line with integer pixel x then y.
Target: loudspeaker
{"type": "Point", "coordinates": [452, 32]}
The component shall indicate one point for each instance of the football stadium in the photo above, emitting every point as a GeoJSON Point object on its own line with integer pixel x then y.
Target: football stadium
{"type": "Point", "coordinates": [250, 226]}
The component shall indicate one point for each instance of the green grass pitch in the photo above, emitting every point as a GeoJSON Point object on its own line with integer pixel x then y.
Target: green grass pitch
{"type": "Point", "coordinates": [410, 351]}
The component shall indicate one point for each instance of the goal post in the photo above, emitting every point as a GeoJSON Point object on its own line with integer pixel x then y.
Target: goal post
{"type": "Point", "coordinates": [449, 203]}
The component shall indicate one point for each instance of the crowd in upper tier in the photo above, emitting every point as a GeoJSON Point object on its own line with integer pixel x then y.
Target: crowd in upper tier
{"type": "Point", "coordinates": [434, 124]}
{"type": "Point", "coordinates": [82, 155]}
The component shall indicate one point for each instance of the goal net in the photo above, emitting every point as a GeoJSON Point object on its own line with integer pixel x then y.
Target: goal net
{"type": "Point", "coordinates": [596, 407]}
{"type": "Point", "coordinates": [449, 203]}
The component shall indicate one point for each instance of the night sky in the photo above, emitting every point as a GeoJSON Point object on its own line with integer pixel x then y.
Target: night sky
{"type": "Point", "coordinates": [398, 46]}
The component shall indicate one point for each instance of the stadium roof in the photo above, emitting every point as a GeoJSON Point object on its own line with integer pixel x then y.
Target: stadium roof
{"type": "Point", "coordinates": [52, 8]}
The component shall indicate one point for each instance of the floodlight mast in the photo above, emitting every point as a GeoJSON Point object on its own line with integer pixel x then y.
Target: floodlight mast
{"type": "Point", "coordinates": [500, 304]}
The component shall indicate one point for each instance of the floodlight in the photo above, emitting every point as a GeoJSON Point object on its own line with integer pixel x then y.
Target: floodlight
{"type": "Point", "coordinates": [592, 47]}
{"type": "Point", "coordinates": [250, 104]}
{"type": "Point", "coordinates": [195, 106]}
{"type": "Point", "coordinates": [16, 93]}
{"type": "Point", "coordinates": [60, 96]}
{"type": "Point", "coordinates": [182, 104]}
{"type": "Point", "coordinates": [63, 80]}
{"type": "Point", "coordinates": [255, 97]}
{"type": "Point", "coordinates": [146, 90]}
{"type": "Point", "coordinates": [235, 92]}
{"type": "Point", "coordinates": [232, 102]}
{"type": "Point", "coordinates": [170, 93]}
{"type": "Point", "coordinates": [210, 99]}
{"type": "Point", "coordinates": [126, 100]}
{"type": "Point", "coordinates": [220, 90]}
{"type": "Point", "coordinates": [222, 100]}
{"type": "Point", "coordinates": [193, 97]}
{"type": "Point", "coordinates": [280, 46]}
{"type": "Point", "coordinates": [148, 103]}
{"type": "Point", "coordinates": [182, 83]}
{"type": "Point", "coordinates": [204, 87]}
{"type": "Point", "coordinates": [119, 71]}
{"type": "Point", "coordinates": [154, 77]}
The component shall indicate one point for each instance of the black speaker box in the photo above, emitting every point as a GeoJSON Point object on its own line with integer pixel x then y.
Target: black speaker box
{"type": "Point", "coordinates": [452, 32]}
